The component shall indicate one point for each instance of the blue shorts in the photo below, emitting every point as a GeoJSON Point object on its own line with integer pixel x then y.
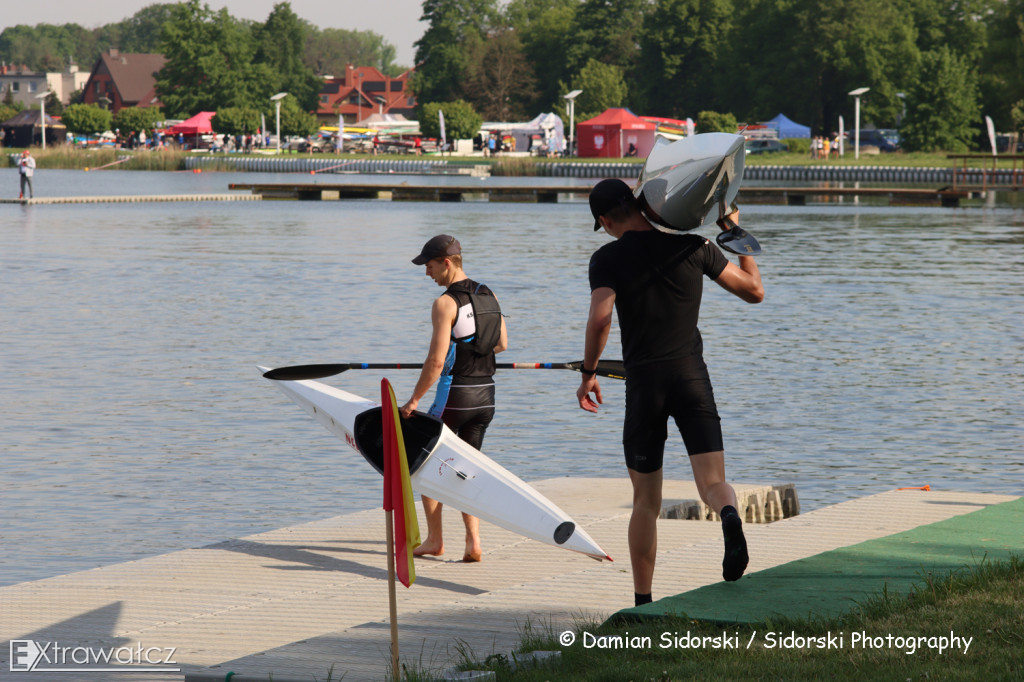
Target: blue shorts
{"type": "Point", "coordinates": [679, 389]}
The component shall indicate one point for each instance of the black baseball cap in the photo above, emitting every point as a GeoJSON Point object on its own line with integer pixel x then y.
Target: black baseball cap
{"type": "Point", "coordinates": [441, 245]}
{"type": "Point", "coordinates": [607, 195]}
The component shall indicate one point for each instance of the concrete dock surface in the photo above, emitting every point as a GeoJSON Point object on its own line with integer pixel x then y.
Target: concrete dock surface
{"type": "Point", "coordinates": [310, 602]}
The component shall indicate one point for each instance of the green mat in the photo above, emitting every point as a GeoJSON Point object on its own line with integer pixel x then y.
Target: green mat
{"type": "Point", "coordinates": [832, 583]}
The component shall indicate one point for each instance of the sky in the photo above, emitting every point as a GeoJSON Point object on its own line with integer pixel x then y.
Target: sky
{"type": "Point", "coordinates": [396, 20]}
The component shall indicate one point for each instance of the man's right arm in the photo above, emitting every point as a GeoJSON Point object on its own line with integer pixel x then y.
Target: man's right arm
{"type": "Point", "coordinates": [599, 324]}
{"type": "Point", "coordinates": [442, 316]}
{"type": "Point", "coordinates": [743, 280]}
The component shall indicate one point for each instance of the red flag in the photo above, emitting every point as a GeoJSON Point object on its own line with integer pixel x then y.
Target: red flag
{"type": "Point", "coordinates": [398, 487]}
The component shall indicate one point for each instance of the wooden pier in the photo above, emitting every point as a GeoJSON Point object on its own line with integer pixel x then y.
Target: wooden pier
{"type": "Point", "coordinates": [310, 601]}
{"type": "Point", "coordinates": [794, 196]}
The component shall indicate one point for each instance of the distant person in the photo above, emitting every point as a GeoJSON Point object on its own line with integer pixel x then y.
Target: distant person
{"type": "Point", "coordinates": [376, 145]}
{"type": "Point", "coordinates": [26, 169]}
{"type": "Point", "coordinates": [632, 150]}
{"type": "Point", "coordinates": [654, 282]}
{"type": "Point", "coordinates": [468, 329]}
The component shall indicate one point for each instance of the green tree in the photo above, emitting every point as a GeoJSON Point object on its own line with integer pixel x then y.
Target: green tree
{"type": "Point", "coordinates": [48, 47]}
{"type": "Point", "coordinates": [545, 29]}
{"type": "Point", "coordinates": [809, 55]}
{"type": "Point", "coordinates": [329, 52]}
{"type": "Point", "coordinates": [680, 47]}
{"type": "Point", "coordinates": [504, 88]}
{"type": "Point", "coordinates": [1001, 75]}
{"type": "Point", "coordinates": [603, 86]}
{"type": "Point", "coordinates": [86, 119]}
{"type": "Point", "coordinates": [7, 111]}
{"type": "Point", "coordinates": [461, 122]}
{"type": "Point", "coordinates": [455, 30]}
{"type": "Point", "coordinates": [209, 62]}
{"type": "Point", "coordinates": [137, 118]}
{"type": "Point", "coordinates": [143, 31]}
{"type": "Point", "coordinates": [294, 120]}
{"type": "Point", "coordinates": [54, 107]}
{"type": "Point", "coordinates": [607, 31]}
{"type": "Point", "coordinates": [280, 43]}
{"type": "Point", "coordinates": [942, 105]}
{"type": "Point", "coordinates": [714, 122]}
{"type": "Point", "coordinates": [1017, 118]}
{"type": "Point", "coordinates": [236, 120]}
{"type": "Point", "coordinates": [10, 102]}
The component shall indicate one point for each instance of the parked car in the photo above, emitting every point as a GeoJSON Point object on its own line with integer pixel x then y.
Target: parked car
{"type": "Point", "coordinates": [885, 139]}
{"type": "Point", "coordinates": [304, 145]}
{"type": "Point", "coordinates": [765, 146]}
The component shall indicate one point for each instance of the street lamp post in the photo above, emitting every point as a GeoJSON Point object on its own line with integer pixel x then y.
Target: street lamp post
{"type": "Point", "coordinates": [276, 99]}
{"type": "Point", "coordinates": [856, 119]}
{"type": "Point", "coordinates": [571, 97]}
{"type": "Point", "coordinates": [42, 114]}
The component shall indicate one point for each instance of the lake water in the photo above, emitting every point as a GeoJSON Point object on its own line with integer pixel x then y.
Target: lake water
{"type": "Point", "coordinates": [133, 421]}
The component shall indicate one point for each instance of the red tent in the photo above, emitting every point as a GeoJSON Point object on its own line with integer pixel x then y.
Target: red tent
{"type": "Point", "coordinates": [197, 125]}
{"type": "Point", "coordinates": [611, 133]}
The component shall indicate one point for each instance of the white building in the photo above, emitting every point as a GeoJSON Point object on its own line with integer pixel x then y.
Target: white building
{"type": "Point", "coordinates": [25, 85]}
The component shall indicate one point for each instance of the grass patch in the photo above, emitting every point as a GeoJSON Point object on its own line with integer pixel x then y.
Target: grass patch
{"type": "Point", "coordinates": [980, 603]}
{"type": "Point", "coordinates": [170, 159]}
{"type": "Point", "coordinates": [69, 158]}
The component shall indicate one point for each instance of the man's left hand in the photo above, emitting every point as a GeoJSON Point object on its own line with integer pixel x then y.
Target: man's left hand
{"type": "Point", "coordinates": [587, 386]}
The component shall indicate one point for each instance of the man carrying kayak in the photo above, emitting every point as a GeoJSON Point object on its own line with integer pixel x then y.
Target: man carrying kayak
{"type": "Point", "coordinates": [468, 329]}
{"type": "Point", "coordinates": [654, 282]}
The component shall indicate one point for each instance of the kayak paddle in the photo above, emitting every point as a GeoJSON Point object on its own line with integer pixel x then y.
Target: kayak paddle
{"type": "Point", "coordinates": [612, 369]}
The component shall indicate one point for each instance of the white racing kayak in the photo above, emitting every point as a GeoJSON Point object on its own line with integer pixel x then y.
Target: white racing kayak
{"type": "Point", "coordinates": [444, 467]}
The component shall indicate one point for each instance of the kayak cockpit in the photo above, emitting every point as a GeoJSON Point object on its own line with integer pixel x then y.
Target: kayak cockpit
{"type": "Point", "coordinates": [420, 433]}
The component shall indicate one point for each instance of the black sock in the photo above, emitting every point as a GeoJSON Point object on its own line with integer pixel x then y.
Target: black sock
{"type": "Point", "coordinates": [641, 599]}
{"type": "Point", "coordinates": [736, 559]}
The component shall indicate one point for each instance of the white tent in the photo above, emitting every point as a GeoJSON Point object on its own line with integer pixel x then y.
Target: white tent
{"type": "Point", "coordinates": [544, 129]}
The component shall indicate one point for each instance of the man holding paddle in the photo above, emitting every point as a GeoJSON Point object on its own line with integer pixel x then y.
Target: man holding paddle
{"type": "Point", "coordinates": [468, 329]}
{"type": "Point", "coordinates": [654, 281]}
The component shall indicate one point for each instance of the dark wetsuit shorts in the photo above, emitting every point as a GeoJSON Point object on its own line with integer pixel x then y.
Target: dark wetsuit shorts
{"type": "Point", "coordinates": [654, 392]}
{"type": "Point", "coordinates": [470, 409]}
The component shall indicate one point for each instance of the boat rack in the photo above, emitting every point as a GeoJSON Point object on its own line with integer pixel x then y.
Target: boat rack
{"type": "Point", "coordinates": [757, 504]}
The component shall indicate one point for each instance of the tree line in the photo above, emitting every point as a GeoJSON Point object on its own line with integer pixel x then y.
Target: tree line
{"type": "Point", "coordinates": [935, 68]}
{"type": "Point", "coordinates": [323, 51]}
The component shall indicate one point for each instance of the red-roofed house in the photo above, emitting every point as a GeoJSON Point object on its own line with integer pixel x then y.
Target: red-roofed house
{"type": "Point", "coordinates": [364, 90]}
{"type": "Point", "coordinates": [123, 80]}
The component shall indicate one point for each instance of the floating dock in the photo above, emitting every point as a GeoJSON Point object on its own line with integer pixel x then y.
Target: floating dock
{"type": "Point", "coordinates": [550, 194]}
{"type": "Point", "coordinates": [132, 199]}
{"type": "Point", "coordinates": [310, 601]}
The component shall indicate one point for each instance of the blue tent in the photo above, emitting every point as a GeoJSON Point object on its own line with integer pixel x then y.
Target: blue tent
{"type": "Point", "coordinates": [788, 128]}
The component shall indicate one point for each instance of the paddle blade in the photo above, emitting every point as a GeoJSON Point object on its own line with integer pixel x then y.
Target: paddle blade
{"type": "Point", "coordinates": [303, 372]}
{"type": "Point", "coordinates": [739, 241]}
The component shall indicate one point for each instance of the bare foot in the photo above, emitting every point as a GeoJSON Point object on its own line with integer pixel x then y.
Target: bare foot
{"type": "Point", "coordinates": [473, 552]}
{"type": "Point", "coordinates": [429, 548]}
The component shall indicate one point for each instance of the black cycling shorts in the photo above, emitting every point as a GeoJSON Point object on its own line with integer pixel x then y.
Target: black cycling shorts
{"type": "Point", "coordinates": [680, 389]}
{"type": "Point", "coordinates": [470, 409]}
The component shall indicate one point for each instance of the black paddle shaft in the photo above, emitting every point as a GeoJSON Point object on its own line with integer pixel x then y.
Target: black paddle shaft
{"type": "Point", "coordinates": [612, 369]}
